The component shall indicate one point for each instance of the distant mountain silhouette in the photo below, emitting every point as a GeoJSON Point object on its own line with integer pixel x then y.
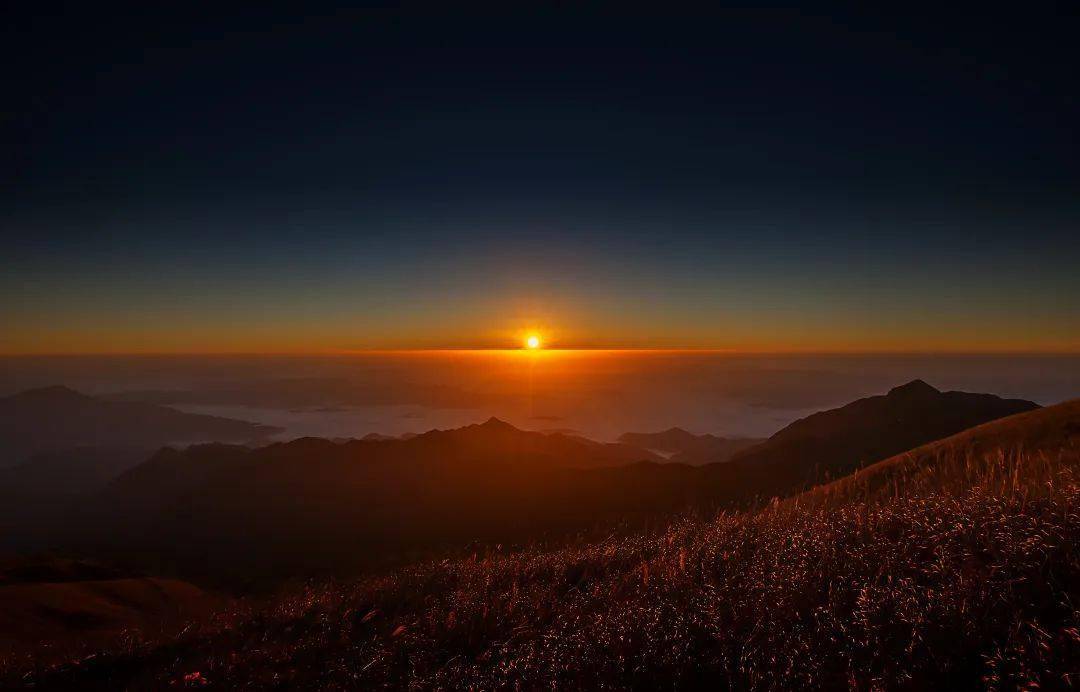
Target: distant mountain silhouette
{"type": "Point", "coordinates": [1043, 435]}
{"type": "Point", "coordinates": [314, 504]}
{"type": "Point", "coordinates": [670, 440]}
{"type": "Point", "coordinates": [688, 448]}
{"type": "Point", "coordinates": [831, 444]}
{"type": "Point", "coordinates": [492, 447]}
{"type": "Point", "coordinates": [311, 501]}
{"type": "Point", "coordinates": [817, 449]}
{"type": "Point", "coordinates": [52, 419]}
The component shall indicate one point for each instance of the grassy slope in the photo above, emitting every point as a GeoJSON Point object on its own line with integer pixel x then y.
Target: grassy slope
{"type": "Point", "coordinates": [76, 617]}
{"type": "Point", "coordinates": [1033, 438]}
{"type": "Point", "coordinates": [970, 579]}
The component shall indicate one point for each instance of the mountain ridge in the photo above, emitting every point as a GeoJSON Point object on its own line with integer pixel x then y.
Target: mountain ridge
{"type": "Point", "coordinates": [833, 443]}
{"type": "Point", "coordinates": [1044, 431]}
{"type": "Point", "coordinates": [488, 481]}
{"type": "Point", "coordinates": [57, 418]}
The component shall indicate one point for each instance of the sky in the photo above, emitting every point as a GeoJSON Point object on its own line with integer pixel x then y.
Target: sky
{"type": "Point", "coordinates": [318, 180]}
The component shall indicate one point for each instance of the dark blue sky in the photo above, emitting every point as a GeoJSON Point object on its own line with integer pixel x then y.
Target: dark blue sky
{"type": "Point", "coordinates": [351, 179]}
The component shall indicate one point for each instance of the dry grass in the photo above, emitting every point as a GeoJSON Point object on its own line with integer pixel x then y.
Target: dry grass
{"type": "Point", "coordinates": [971, 579]}
{"type": "Point", "coordinates": [1005, 456]}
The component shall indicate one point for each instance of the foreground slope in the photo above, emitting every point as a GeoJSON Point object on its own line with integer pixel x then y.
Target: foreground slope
{"type": "Point", "coordinates": [76, 613]}
{"type": "Point", "coordinates": [48, 603]}
{"type": "Point", "coordinates": [967, 583]}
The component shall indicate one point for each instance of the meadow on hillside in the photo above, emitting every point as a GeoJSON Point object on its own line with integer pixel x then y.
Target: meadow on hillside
{"type": "Point", "coordinates": [970, 580]}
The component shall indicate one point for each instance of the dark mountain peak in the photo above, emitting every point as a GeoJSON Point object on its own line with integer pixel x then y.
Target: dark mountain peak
{"type": "Point", "coordinates": [672, 436]}
{"type": "Point", "coordinates": [834, 443]}
{"type": "Point", "coordinates": [914, 388]}
{"type": "Point", "coordinates": [494, 423]}
{"type": "Point", "coordinates": [305, 444]}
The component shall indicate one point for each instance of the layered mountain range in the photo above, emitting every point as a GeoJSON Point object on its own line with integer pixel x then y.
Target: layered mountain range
{"type": "Point", "coordinates": [314, 503]}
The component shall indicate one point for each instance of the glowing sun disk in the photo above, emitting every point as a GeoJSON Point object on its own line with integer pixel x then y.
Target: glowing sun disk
{"type": "Point", "coordinates": [532, 341]}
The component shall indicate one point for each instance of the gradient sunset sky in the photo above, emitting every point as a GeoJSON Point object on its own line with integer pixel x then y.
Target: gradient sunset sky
{"type": "Point", "coordinates": [363, 180]}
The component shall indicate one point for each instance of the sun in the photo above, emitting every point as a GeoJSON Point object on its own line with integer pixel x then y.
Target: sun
{"type": "Point", "coordinates": [532, 341]}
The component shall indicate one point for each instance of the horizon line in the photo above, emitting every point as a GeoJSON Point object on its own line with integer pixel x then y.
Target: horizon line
{"type": "Point", "coordinates": [553, 349]}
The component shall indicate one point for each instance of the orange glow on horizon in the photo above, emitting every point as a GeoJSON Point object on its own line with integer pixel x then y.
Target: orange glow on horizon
{"type": "Point", "coordinates": [242, 339]}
